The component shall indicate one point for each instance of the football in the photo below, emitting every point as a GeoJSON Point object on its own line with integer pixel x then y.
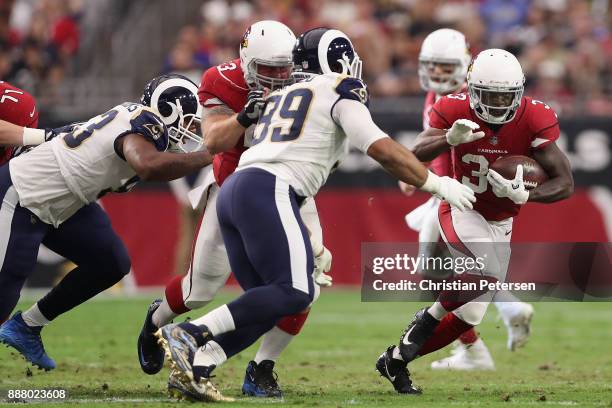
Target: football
{"type": "Point", "coordinates": [533, 173]}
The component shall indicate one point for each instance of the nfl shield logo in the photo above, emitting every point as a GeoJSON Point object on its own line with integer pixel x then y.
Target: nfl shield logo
{"type": "Point", "coordinates": [494, 140]}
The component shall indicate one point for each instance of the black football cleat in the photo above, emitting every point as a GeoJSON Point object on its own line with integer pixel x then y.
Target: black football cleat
{"type": "Point", "coordinates": [396, 371]}
{"type": "Point", "coordinates": [416, 334]}
{"type": "Point", "coordinates": [150, 354]}
{"type": "Point", "coordinates": [260, 380]}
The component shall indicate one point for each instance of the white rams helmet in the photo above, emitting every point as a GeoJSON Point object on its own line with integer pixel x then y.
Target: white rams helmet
{"type": "Point", "coordinates": [266, 43]}
{"type": "Point", "coordinates": [444, 46]}
{"type": "Point", "coordinates": [495, 85]}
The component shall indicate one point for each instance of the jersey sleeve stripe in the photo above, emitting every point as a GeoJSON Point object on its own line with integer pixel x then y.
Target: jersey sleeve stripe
{"type": "Point", "coordinates": [232, 82]}
{"type": "Point", "coordinates": [213, 102]}
{"type": "Point", "coordinates": [212, 96]}
{"type": "Point", "coordinates": [540, 142]}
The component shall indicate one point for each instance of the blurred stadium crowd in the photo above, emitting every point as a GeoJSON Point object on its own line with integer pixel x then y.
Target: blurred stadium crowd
{"type": "Point", "coordinates": [38, 40]}
{"type": "Point", "coordinates": [565, 46]}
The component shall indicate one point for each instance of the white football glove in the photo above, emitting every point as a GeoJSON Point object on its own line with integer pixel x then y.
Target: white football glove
{"type": "Point", "coordinates": [322, 262]}
{"type": "Point", "coordinates": [513, 189]}
{"type": "Point", "coordinates": [462, 131]}
{"type": "Point", "coordinates": [322, 265]}
{"type": "Point", "coordinates": [450, 190]}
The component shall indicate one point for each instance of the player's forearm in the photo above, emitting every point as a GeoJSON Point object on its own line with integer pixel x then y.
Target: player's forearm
{"type": "Point", "coordinates": [14, 135]}
{"type": "Point", "coordinates": [553, 190]}
{"type": "Point", "coordinates": [430, 145]}
{"type": "Point", "coordinates": [171, 166]}
{"type": "Point", "coordinates": [560, 185]}
{"type": "Point", "coordinates": [221, 133]}
{"type": "Point", "coordinates": [398, 161]}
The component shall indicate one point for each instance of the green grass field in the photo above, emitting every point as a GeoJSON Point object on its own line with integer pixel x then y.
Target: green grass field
{"type": "Point", "coordinates": [567, 362]}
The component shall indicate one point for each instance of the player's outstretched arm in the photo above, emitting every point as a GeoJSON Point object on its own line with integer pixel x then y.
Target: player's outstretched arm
{"type": "Point", "coordinates": [153, 165]}
{"type": "Point", "coordinates": [560, 184]}
{"type": "Point", "coordinates": [355, 119]}
{"type": "Point", "coordinates": [400, 162]}
{"type": "Point", "coordinates": [14, 135]}
{"type": "Point", "coordinates": [430, 143]}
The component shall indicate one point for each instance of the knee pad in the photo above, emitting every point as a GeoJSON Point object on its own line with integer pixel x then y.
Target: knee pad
{"type": "Point", "coordinates": [472, 312]}
{"type": "Point", "coordinates": [293, 324]}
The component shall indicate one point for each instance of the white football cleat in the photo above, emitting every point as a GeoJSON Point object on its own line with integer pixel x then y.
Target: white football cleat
{"type": "Point", "coordinates": [518, 324]}
{"type": "Point", "coordinates": [466, 357]}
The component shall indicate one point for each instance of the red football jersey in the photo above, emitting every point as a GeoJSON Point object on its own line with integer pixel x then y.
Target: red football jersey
{"type": "Point", "coordinates": [441, 165]}
{"type": "Point", "coordinates": [225, 85]}
{"type": "Point", "coordinates": [17, 107]}
{"type": "Point", "coordinates": [534, 126]}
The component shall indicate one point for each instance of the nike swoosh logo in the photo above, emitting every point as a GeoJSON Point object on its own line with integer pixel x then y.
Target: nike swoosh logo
{"type": "Point", "coordinates": [508, 232]}
{"type": "Point", "coordinates": [32, 114]}
{"type": "Point", "coordinates": [405, 340]}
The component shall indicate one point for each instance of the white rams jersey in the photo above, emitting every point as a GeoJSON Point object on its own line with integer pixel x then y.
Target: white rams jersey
{"type": "Point", "coordinates": [57, 178]}
{"type": "Point", "coordinates": [297, 138]}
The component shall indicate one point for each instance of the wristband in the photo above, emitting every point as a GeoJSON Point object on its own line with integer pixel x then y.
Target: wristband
{"type": "Point", "coordinates": [243, 119]}
{"type": "Point", "coordinates": [432, 183]}
{"type": "Point", "coordinates": [33, 137]}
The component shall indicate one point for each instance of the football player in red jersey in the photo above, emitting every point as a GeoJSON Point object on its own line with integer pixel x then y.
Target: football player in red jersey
{"type": "Point", "coordinates": [17, 108]}
{"type": "Point", "coordinates": [510, 124]}
{"type": "Point", "coordinates": [232, 95]}
{"type": "Point", "coordinates": [443, 64]}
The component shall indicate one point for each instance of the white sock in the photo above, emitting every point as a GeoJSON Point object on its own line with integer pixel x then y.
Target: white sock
{"type": "Point", "coordinates": [209, 354]}
{"type": "Point", "coordinates": [33, 317]}
{"type": "Point", "coordinates": [218, 321]}
{"type": "Point", "coordinates": [507, 304]}
{"type": "Point", "coordinates": [273, 344]}
{"type": "Point", "coordinates": [163, 315]}
{"type": "Point", "coordinates": [437, 311]}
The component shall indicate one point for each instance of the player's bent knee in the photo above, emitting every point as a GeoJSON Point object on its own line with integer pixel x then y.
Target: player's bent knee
{"type": "Point", "coordinates": [115, 263]}
{"type": "Point", "coordinates": [203, 288]}
{"type": "Point", "coordinates": [196, 304]}
{"type": "Point", "coordinates": [293, 324]}
{"type": "Point", "coordinates": [472, 312]}
{"type": "Point", "coordinates": [295, 301]}
{"type": "Point", "coordinates": [122, 261]}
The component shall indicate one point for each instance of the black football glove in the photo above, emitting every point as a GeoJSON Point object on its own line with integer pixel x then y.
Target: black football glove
{"type": "Point", "coordinates": [253, 108]}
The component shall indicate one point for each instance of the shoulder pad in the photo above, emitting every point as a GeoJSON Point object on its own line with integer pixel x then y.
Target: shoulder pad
{"type": "Point", "coordinates": [146, 122]}
{"type": "Point", "coordinates": [353, 88]}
